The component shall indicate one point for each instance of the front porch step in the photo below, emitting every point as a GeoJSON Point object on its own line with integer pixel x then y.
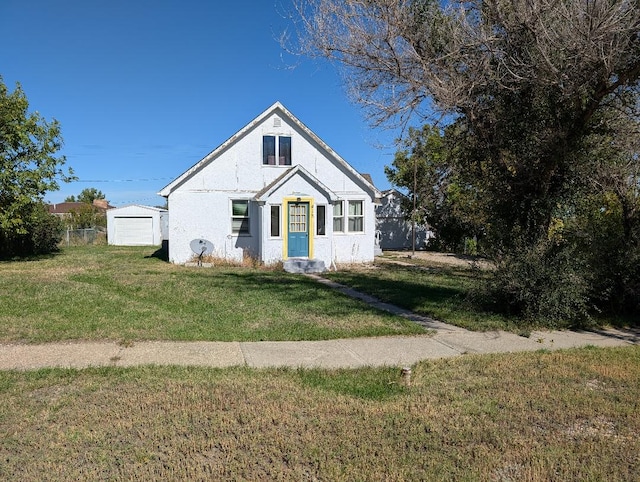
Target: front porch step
{"type": "Point", "coordinates": [303, 265]}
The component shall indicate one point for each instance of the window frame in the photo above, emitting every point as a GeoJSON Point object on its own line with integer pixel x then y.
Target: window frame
{"type": "Point", "coordinates": [355, 217]}
{"type": "Point", "coordinates": [339, 217]}
{"type": "Point", "coordinates": [279, 217]}
{"type": "Point", "coordinates": [323, 218]}
{"type": "Point", "coordinates": [267, 152]}
{"type": "Point", "coordinates": [247, 217]}
{"type": "Point", "coordinates": [282, 160]}
{"type": "Point", "coordinates": [273, 145]}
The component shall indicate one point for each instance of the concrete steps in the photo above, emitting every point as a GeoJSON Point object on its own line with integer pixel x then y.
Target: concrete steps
{"type": "Point", "coordinates": [304, 265]}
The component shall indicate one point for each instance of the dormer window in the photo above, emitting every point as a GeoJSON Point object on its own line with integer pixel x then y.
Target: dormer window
{"type": "Point", "coordinates": [281, 156]}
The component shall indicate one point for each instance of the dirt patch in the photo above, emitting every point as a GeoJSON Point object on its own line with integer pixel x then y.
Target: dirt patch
{"type": "Point", "coordinates": [443, 259]}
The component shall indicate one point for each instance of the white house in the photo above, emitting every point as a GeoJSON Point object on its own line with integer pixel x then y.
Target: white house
{"type": "Point", "coordinates": [273, 191]}
{"type": "Point", "coordinates": [136, 225]}
{"type": "Point", "coordinates": [394, 230]}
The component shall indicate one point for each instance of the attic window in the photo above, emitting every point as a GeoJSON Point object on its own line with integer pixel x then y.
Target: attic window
{"type": "Point", "coordinates": [283, 153]}
{"type": "Point", "coordinates": [276, 122]}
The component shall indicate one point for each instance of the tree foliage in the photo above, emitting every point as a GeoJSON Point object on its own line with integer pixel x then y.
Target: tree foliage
{"type": "Point", "coordinates": [86, 216]}
{"type": "Point", "coordinates": [41, 234]}
{"type": "Point", "coordinates": [423, 167]}
{"type": "Point", "coordinates": [541, 101]}
{"type": "Point", "coordinates": [29, 167]}
{"type": "Point", "coordinates": [87, 195]}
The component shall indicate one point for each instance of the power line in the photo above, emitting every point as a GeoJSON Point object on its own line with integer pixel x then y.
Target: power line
{"type": "Point", "coordinates": [124, 180]}
{"type": "Point", "coordinates": [135, 201]}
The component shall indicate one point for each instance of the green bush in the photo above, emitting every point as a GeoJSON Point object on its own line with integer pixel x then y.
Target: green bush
{"type": "Point", "coordinates": [470, 246]}
{"type": "Point", "coordinates": [617, 274]}
{"type": "Point", "coordinates": [608, 238]}
{"type": "Point", "coordinates": [545, 282]}
{"type": "Point", "coordinates": [41, 234]}
{"type": "Point", "coordinates": [46, 231]}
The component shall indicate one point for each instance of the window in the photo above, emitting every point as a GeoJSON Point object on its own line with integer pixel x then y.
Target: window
{"type": "Point", "coordinates": [275, 221]}
{"type": "Point", "coordinates": [240, 216]}
{"type": "Point", "coordinates": [356, 217]}
{"type": "Point", "coordinates": [321, 216]}
{"type": "Point", "coordinates": [338, 219]}
{"type": "Point", "coordinates": [283, 154]}
{"type": "Point", "coordinates": [269, 150]}
{"type": "Point", "coordinates": [298, 218]}
{"type": "Point", "coordinates": [284, 151]}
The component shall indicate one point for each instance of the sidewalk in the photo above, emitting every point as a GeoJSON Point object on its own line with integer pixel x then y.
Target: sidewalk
{"type": "Point", "coordinates": [343, 353]}
{"type": "Point", "coordinates": [442, 341]}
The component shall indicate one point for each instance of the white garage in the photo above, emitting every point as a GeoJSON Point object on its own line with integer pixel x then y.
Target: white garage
{"type": "Point", "coordinates": [136, 225]}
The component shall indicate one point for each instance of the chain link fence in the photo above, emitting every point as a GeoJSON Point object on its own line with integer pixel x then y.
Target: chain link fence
{"type": "Point", "coordinates": [81, 237]}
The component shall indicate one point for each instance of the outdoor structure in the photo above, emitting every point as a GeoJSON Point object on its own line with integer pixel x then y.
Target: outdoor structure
{"type": "Point", "coordinates": [136, 225]}
{"type": "Point", "coordinates": [64, 210]}
{"type": "Point", "coordinates": [394, 230]}
{"type": "Point", "coordinates": [84, 223]}
{"type": "Point", "coordinates": [275, 192]}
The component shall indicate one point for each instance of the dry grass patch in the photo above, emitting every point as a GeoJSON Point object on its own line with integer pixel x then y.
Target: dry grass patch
{"type": "Point", "coordinates": [436, 260]}
{"type": "Point", "coordinates": [530, 416]}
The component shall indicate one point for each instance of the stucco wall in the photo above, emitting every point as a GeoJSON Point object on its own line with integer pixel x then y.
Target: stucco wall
{"type": "Point", "coordinates": [212, 221]}
{"type": "Point", "coordinates": [207, 215]}
{"type": "Point", "coordinates": [240, 168]}
{"type": "Point", "coordinates": [201, 208]}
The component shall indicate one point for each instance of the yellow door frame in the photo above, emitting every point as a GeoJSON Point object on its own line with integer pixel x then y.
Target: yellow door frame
{"type": "Point", "coordinates": [310, 225]}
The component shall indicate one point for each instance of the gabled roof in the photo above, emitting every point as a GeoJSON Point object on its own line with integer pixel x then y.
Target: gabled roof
{"type": "Point", "coordinates": [281, 180]}
{"type": "Point", "coordinates": [277, 106]}
{"type": "Point", "coordinates": [142, 206]}
{"type": "Point", "coordinates": [393, 191]}
{"type": "Point", "coordinates": [368, 178]}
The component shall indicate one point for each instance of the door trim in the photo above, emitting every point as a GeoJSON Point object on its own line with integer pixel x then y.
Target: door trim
{"type": "Point", "coordinates": [311, 223]}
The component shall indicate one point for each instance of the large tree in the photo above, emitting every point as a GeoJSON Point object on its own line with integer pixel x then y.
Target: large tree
{"type": "Point", "coordinates": [523, 78]}
{"type": "Point", "coordinates": [29, 167]}
{"type": "Point", "coordinates": [426, 56]}
{"type": "Point", "coordinates": [527, 85]}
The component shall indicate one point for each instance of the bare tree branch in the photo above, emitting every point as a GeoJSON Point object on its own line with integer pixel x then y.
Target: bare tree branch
{"type": "Point", "coordinates": [415, 56]}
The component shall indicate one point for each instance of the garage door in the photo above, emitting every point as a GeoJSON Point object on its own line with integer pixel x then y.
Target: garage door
{"type": "Point", "coordinates": [131, 231]}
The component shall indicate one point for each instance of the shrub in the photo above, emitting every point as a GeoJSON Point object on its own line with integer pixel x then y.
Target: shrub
{"type": "Point", "coordinates": [545, 283]}
{"type": "Point", "coordinates": [41, 234]}
{"type": "Point", "coordinates": [46, 230]}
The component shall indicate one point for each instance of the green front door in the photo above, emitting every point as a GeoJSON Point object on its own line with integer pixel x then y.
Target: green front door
{"type": "Point", "coordinates": [298, 232]}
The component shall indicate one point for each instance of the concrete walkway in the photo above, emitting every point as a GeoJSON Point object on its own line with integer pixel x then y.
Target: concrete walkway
{"type": "Point", "coordinates": [343, 353]}
{"type": "Point", "coordinates": [442, 341]}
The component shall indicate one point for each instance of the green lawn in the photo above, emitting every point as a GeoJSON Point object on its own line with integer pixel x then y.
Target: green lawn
{"type": "Point", "coordinates": [432, 289]}
{"type": "Point", "coordinates": [127, 293]}
{"type": "Point", "coordinates": [567, 415]}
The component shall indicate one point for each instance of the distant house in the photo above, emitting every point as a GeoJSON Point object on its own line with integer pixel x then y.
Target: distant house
{"type": "Point", "coordinates": [80, 215]}
{"type": "Point", "coordinates": [276, 192]}
{"type": "Point", "coordinates": [395, 232]}
{"type": "Point", "coordinates": [64, 210]}
{"type": "Point", "coordinates": [136, 225]}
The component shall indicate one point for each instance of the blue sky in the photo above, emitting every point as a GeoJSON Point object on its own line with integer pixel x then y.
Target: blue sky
{"type": "Point", "coordinates": [145, 89]}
